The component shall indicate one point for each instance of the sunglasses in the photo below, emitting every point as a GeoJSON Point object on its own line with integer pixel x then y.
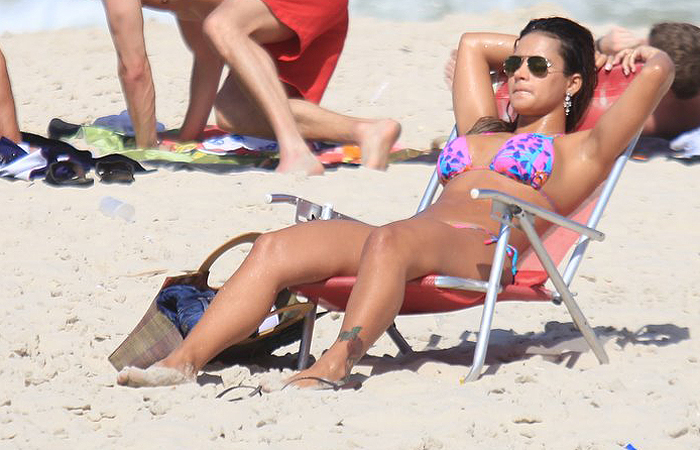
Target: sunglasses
{"type": "Point", "coordinates": [538, 65]}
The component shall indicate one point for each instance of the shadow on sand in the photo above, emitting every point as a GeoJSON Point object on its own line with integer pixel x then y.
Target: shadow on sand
{"type": "Point", "coordinates": [560, 343]}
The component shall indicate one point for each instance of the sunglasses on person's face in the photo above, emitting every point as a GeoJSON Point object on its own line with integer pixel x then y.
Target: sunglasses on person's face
{"type": "Point", "coordinates": [538, 65]}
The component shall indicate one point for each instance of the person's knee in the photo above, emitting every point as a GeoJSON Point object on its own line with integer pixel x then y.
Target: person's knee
{"type": "Point", "coordinates": [270, 246]}
{"type": "Point", "coordinates": [221, 30]}
{"type": "Point", "coordinates": [134, 70]}
{"type": "Point", "coordinates": [220, 27]}
{"type": "Point", "coordinates": [384, 242]}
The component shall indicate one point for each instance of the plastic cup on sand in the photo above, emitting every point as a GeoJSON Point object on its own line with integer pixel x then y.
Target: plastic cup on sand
{"type": "Point", "coordinates": [114, 208]}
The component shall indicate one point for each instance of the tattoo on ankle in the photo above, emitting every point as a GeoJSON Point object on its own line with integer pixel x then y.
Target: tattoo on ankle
{"type": "Point", "coordinates": [354, 348]}
{"type": "Point", "coordinates": [349, 335]}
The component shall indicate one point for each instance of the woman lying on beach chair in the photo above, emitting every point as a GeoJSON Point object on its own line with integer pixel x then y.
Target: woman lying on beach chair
{"type": "Point", "coordinates": [551, 78]}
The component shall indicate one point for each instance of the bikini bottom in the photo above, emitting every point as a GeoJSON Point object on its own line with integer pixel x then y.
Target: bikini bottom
{"type": "Point", "coordinates": [511, 251]}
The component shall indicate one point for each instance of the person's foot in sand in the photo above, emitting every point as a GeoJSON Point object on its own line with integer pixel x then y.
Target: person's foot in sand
{"type": "Point", "coordinates": [315, 379]}
{"type": "Point", "coordinates": [333, 368]}
{"type": "Point", "coordinates": [299, 161]}
{"type": "Point", "coordinates": [156, 375]}
{"type": "Point", "coordinates": [375, 139]}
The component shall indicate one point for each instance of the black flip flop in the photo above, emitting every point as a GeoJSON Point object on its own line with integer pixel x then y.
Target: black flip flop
{"type": "Point", "coordinates": [253, 391]}
{"type": "Point", "coordinates": [327, 384]}
{"type": "Point", "coordinates": [67, 173]}
{"type": "Point", "coordinates": [115, 172]}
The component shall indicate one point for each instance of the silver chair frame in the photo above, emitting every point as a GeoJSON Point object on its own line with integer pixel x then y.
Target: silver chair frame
{"type": "Point", "coordinates": [511, 213]}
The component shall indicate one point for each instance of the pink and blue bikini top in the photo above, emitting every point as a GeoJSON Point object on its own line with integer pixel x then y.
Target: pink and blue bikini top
{"type": "Point", "coordinates": [526, 157]}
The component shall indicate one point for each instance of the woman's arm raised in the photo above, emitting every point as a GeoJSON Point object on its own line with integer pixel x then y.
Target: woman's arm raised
{"type": "Point", "coordinates": [472, 93]}
{"type": "Point", "coordinates": [616, 128]}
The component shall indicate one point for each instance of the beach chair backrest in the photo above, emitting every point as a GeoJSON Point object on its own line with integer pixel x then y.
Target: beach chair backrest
{"type": "Point", "coordinates": [558, 241]}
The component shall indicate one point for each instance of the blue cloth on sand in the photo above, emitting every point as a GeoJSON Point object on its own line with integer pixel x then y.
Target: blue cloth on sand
{"type": "Point", "coordinates": [121, 124]}
{"type": "Point", "coordinates": [184, 305]}
{"type": "Point", "coordinates": [9, 151]}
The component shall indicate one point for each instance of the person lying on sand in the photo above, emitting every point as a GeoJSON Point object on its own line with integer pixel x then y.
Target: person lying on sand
{"type": "Point", "coordinates": [280, 56]}
{"type": "Point", "coordinates": [8, 115]}
{"type": "Point", "coordinates": [551, 78]}
{"type": "Point", "coordinates": [679, 110]}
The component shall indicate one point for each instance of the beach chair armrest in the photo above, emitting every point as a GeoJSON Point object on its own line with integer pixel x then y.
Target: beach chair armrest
{"type": "Point", "coordinates": [306, 210]}
{"type": "Point", "coordinates": [462, 284]}
{"type": "Point", "coordinates": [509, 201]}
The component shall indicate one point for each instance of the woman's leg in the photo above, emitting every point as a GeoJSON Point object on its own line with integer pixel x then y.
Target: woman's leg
{"type": "Point", "coordinates": [299, 254]}
{"type": "Point", "coordinates": [392, 255]}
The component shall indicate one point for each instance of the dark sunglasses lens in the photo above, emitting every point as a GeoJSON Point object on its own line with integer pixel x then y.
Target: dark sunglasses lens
{"type": "Point", "coordinates": [538, 65]}
{"type": "Point", "coordinates": [511, 64]}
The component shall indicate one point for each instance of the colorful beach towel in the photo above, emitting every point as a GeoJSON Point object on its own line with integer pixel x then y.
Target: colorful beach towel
{"type": "Point", "coordinates": [217, 148]}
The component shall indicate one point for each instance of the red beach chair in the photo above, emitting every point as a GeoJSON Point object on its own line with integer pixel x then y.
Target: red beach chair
{"type": "Point", "coordinates": [438, 293]}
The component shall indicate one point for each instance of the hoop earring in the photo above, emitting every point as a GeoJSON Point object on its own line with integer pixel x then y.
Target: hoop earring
{"type": "Point", "coordinates": [567, 103]}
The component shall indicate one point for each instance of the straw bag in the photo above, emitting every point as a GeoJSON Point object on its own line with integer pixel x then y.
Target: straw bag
{"type": "Point", "coordinates": [155, 336]}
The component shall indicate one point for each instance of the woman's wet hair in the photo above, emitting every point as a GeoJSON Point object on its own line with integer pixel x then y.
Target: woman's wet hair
{"type": "Point", "coordinates": [577, 49]}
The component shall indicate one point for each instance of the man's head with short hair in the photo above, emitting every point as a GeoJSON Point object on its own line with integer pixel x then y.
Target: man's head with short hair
{"type": "Point", "coordinates": [682, 43]}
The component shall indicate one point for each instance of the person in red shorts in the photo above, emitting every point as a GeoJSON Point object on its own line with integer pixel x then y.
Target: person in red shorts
{"type": "Point", "coordinates": [280, 54]}
{"type": "Point", "coordinates": [8, 116]}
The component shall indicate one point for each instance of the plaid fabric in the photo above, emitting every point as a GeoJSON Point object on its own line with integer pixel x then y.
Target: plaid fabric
{"type": "Point", "coordinates": [153, 338]}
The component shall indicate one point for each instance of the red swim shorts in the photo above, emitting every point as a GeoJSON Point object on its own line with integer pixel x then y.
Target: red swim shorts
{"type": "Point", "coordinates": [307, 62]}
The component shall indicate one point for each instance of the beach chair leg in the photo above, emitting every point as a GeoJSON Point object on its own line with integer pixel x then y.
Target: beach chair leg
{"type": "Point", "coordinates": [563, 290]}
{"type": "Point", "coordinates": [397, 337]}
{"type": "Point", "coordinates": [306, 337]}
{"type": "Point", "coordinates": [482, 340]}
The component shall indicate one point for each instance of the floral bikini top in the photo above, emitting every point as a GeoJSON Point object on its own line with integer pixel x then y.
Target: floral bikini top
{"type": "Point", "coordinates": [526, 157]}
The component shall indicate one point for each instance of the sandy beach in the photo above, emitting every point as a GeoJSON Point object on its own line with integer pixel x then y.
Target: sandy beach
{"type": "Point", "coordinates": [75, 282]}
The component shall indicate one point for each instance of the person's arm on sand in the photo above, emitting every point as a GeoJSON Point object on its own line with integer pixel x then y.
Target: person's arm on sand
{"type": "Point", "coordinates": [204, 83]}
{"type": "Point", "coordinates": [472, 94]}
{"type": "Point", "coordinates": [125, 20]}
{"type": "Point", "coordinates": [8, 115]}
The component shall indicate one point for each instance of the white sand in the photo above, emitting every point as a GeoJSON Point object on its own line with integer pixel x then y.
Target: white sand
{"type": "Point", "coordinates": [70, 289]}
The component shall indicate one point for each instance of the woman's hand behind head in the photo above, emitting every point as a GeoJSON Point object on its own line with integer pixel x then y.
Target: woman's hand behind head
{"type": "Point", "coordinates": [628, 57]}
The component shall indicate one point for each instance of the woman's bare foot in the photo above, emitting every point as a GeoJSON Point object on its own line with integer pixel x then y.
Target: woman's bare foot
{"type": "Point", "coordinates": [155, 375]}
{"type": "Point", "coordinates": [301, 160]}
{"type": "Point", "coordinates": [375, 140]}
{"type": "Point", "coordinates": [328, 371]}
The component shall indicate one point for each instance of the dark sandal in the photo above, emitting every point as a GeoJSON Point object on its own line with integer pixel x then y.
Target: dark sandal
{"type": "Point", "coordinates": [255, 391]}
{"type": "Point", "coordinates": [115, 172]}
{"type": "Point", "coordinates": [67, 173]}
{"type": "Point", "coordinates": [329, 384]}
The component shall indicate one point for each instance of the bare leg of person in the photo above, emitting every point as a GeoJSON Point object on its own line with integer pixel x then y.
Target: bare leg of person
{"type": "Point", "coordinates": [392, 255]}
{"type": "Point", "coordinates": [237, 29]}
{"type": "Point", "coordinates": [8, 115]}
{"type": "Point", "coordinates": [294, 255]}
{"type": "Point", "coordinates": [375, 137]}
